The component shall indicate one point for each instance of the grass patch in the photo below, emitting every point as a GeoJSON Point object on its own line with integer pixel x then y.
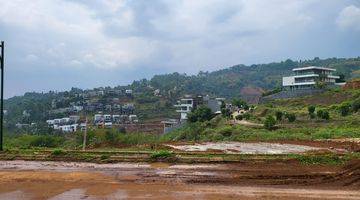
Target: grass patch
{"type": "Point", "coordinates": [323, 159]}
{"type": "Point", "coordinates": [57, 152]}
{"type": "Point", "coordinates": [162, 154]}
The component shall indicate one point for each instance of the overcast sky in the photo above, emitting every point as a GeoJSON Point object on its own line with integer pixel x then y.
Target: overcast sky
{"type": "Point", "coordinates": [59, 44]}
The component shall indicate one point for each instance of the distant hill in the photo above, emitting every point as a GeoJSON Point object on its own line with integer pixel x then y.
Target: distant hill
{"type": "Point", "coordinates": [154, 98]}
{"type": "Point", "coordinates": [247, 82]}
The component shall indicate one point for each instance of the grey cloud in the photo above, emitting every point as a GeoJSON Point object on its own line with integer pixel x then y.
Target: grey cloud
{"type": "Point", "coordinates": [98, 43]}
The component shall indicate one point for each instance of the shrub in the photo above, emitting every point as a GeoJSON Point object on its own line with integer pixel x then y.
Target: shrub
{"type": "Point", "coordinates": [104, 157]}
{"type": "Point", "coordinates": [239, 117]}
{"type": "Point", "coordinates": [311, 110]}
{"type": "Point", "coordinates": [240, 103]}
{"type": "Point", "coordinates": [326, 115]}
{"type": "Point", "coordinates": [45, 141]}
{"type": "Point", "coordinates": [110, 137]}
{"type": "Point", "coordinates": [344, 109]}
{"type": "Point", "coordinates": [226, 131]}
{"type": "Point", "coordinates": [121, 129]}
{"type": "Point", "coordinates": [57, 152]}
{"type": "Point", "coordinates": [162, 154]}
{"type": "Point", "coordinates": [246, 116]}
{"type": "Point", "coordinates": [320, 113]}
{"type": "Point", "coordinates": [323, 114]}
{"type": "Point", "coordinates": [290, 117]}
{"type": "Point", "coordinates": [312, 116]}
{"type": "Point", "coordinates": [356, 105]}
{"type": "Point", "coordinates": [279, 115]}
{"type": "Point", "coordinates": [270, 122]}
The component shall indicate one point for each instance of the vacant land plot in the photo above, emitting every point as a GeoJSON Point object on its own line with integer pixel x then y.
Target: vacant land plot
{"type": "Point", "coordinates": [249, 180]}
{"type": "Point", "coordinates": [250, 148]}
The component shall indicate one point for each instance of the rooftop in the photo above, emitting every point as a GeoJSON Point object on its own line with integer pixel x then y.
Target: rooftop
{"type": "Point", "coordinates": [313, 67]}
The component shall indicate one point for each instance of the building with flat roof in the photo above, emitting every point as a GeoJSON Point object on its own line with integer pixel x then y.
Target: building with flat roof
{"type": "Point", "coordinates": [309, 77]}
{"type": "Point", "coordinates": [188, 103]}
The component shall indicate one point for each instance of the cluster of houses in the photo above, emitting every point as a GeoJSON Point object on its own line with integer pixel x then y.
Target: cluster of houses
{"type": "Point", "coordinates": [95, 100]}
{"type": "Point", "coordinates": [66, 124]}
{"type": "Point", "coordinates": [73, 123]}
{"type": "Point", "coordinates": [127, 108]}
{"type": "Point", "coordinates": [107, 120]}
{"type": "Point", "coordinates": [101, 91]}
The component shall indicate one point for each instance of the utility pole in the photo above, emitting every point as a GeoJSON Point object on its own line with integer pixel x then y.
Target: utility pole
{"type": "Point", "coordinates": [2, 95]}
{"type": "Point", "coordinates": [85, 134]}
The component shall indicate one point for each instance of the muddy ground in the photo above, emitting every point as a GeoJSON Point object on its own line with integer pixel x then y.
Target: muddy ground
{"type": "Point", "coordinates": [247, 147]}
{"type": "Point", "coordinates": [246, 180]}
{"type": "Point", "coordinates": [272, 147]}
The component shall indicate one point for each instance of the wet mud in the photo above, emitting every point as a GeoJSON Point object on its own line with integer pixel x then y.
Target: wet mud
{"type": "Point", "coordinates": [248, 180]}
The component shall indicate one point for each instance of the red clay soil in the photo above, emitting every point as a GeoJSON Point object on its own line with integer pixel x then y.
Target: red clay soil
{"type": "Point", "coordinates": [247, 180]}
{"type": "Point", "coordinates": [346, 145]}
{"type": "Point", "coordinates": [355, 84]}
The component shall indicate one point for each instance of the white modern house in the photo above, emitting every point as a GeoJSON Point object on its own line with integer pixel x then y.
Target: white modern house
{"type": "Point", "coordinates": [308, 77]}
{"type": "Point", "coordinates": [67, 128]}
{"type": "Point", "coordinates": [184, 106]}
{"type": "Point", "coordinates": [188, 103]}
{"type": "Point", "coordinates": [128, 92]}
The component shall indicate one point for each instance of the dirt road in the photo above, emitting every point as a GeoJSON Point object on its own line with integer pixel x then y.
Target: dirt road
{"type": "Point", "coordinates": [60, 180]}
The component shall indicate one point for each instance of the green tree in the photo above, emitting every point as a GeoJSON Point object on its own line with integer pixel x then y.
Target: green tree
{"type": "Point", "coordinates": [291, 117]}
{"type": "Point", "coordinates": [270, 122]}
{"type": "Point", "coordinates": [240, 104]}
{"type": "Point", "coordinates": [341, 79]}
{"type": "Point", "coordinates": [225, 112]}
{"type": "Point", "coordinates": [200, 114]}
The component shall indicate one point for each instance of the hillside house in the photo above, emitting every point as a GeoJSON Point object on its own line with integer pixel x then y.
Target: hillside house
{"type": "Point", "coordinates": [188, 103]}
{"type": "Point", "coordinates": [108, 120]}
{"type": "Point", "coordinates": [128, 92]}
{"type": "Point", "coordinates": [309, 77]}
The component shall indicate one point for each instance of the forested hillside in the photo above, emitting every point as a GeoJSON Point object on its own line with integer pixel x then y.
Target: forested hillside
{"type": "Point", "coordinates": [155, 98]}
{"type": "Point", "coordinates": [237, 80]}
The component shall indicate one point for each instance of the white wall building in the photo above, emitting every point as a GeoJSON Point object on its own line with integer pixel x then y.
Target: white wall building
{"type": "Point", "coordinates": [308, 77]}
{"type": "Point", "coordinates": [184, 107]}
{"type": "Point", "coordinates": [187, 104]}
{"type": "Point", "coordinates": [128, 92]}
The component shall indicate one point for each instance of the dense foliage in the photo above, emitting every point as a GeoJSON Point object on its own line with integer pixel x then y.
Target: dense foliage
{"type": "Point", "coordinates": [200, 114]}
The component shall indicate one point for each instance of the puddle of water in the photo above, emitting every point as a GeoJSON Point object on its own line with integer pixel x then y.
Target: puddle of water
{"type": "Point", "coordinates": [160, 165]}
{"type": "Point", "coordinates": [247, 148]}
